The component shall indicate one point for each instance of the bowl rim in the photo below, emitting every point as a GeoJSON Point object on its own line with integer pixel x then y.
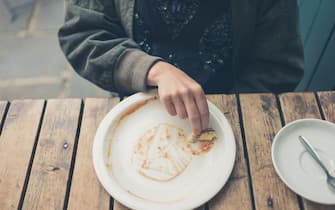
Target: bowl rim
{"type": "Point", "coordinates": [273, 148]}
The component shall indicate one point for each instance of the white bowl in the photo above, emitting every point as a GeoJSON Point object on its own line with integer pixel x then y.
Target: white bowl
{"type": "Point", "coordinates": [294, 165]}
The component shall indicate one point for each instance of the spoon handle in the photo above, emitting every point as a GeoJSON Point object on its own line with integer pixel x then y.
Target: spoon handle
{"type": "Point", "coordinates": [310, 149]}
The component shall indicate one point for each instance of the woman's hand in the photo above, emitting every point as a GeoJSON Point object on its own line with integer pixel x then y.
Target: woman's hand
{"type": "Point", "coordinates": [180, 94]}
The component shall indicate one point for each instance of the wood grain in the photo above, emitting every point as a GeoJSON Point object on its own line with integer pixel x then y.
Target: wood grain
{"type": "Point", "coordinates": [261, 122]}
{"type": "Point", "coordinates": [200, 208]}
{"type": "Point", "coordinates": [16, 146]}
{"type": "Point", "coordinates": [299, 105]}
{"type": "Point", "coordinates": [50, 170]}
{"type": "Point", "coordinates": [93, 196]}
{"type": "Point", "coordinates": [304, 105]}
{"type": "Point", "coordinates": [236, 193]}
{"type": "Point", "coordinates": [327, 101]}
{"type": "Point", "coordinates": [119, 206]}
{"type": "Point", "coordinates": [3, 105]}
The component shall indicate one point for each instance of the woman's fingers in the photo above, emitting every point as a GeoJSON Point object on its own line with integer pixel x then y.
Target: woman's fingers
{"type": "Point", "coordinates": [180, 94]}
{"type": "Point", "coordinates": [202, 105]}
{"type": "Point", "coordinates": [179, 106]}
{"type": "Point", "coordinates": [169, 106]}
{"type": "Point", "coordinates": [193, 114]}
{"type": "Point", "coordinates": [188, 102]}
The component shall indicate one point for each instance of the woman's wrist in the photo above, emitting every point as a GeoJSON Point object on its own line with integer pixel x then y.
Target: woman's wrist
{"type": "Point", "coordinates": [155, 73]}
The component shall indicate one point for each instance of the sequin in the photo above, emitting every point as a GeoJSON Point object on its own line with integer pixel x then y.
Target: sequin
{"type": "Point", "coordinates": [176, 14]}
{"type": "Point", "coordinates": [216, 43]}
{"type": "Point", "coordinates": [144, 39]}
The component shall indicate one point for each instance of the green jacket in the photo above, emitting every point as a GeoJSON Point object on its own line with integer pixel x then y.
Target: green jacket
{"type": "Point", "coordinates": [97, 39]}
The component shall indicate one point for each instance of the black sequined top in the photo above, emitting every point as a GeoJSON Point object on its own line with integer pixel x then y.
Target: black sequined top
{"type": "Point", "coordinates": [193, 35]}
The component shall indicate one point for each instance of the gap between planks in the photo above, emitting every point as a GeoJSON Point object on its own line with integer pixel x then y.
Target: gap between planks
{"type": "Point", "coordinates": [4, 106]}
{"type": "Point", "coordinates": [73, 160]}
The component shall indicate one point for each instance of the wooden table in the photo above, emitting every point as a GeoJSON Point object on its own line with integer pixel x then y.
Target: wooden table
{"type": "Point", "coordinates": [46, 160]}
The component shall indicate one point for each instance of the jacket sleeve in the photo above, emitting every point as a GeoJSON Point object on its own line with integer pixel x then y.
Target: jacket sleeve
{"type": "Point", "coordinates": [276, 62]}
{"type": "Point", "coordinates": [94, 42]}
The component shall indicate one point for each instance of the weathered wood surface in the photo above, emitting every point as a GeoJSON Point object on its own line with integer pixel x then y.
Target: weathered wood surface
{"type": "Point", "coordinates": [261, 122]}
{"type": "Point", "coordinates": [16, 148]}
{"type": "Point", "coordinates": [51, 165]}
{"type": "Point", "coordinates": [327, 102]}
{"type": "Point", "coordinates": [46, 152]}
{"type": "Point", "coordinates": [86, 191]}
{"type": "Point", "coordinates": [304, 105]}
{"type": "Point", "coordinates": [119, 206]}
{"type": "Point", "coordinates": [236, 193]}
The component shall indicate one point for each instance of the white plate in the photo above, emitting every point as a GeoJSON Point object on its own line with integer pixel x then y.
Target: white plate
{"type": "Point", "coordinates": [296, 167]}
{"type": "Point", "coordinates": [200, 176]}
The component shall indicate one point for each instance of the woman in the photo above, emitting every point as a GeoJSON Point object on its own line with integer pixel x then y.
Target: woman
{"type": "Point", "coordinates": [186, 48]}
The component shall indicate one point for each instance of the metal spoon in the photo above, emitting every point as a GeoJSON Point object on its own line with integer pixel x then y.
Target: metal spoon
{"type": "Point", "coordinates": [311, 150]}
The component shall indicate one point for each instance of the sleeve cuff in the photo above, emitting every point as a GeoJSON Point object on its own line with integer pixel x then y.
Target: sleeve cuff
{"type": "Point", "coordinates": [132, 69]}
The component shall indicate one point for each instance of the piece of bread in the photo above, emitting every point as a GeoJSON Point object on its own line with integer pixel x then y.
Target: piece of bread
{"type": "Point", "coordinates": [206, 135]}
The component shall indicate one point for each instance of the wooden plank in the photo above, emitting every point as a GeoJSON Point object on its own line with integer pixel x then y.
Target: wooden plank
{"type": "Point", "coordinates": [236, 193]}
{"type": "Point", "coordinates": [297, 106]}
{"type": "Point", "coordinates": [261, 122]}
{"type": "Point", "coordinates": [327, 101]}
{"type": "Point", "coordinates": [119, 206]}
{"type": "Point", "coordinates": [51, 165]}
{"type": "Point", "coordinates": [315, 206]}
{"type": "Point", "coordinates": [84, 176]}
{"type": "Point", "coordinates": [16, 146]}
{"type": "Point", "coordinates": [3, 105]}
